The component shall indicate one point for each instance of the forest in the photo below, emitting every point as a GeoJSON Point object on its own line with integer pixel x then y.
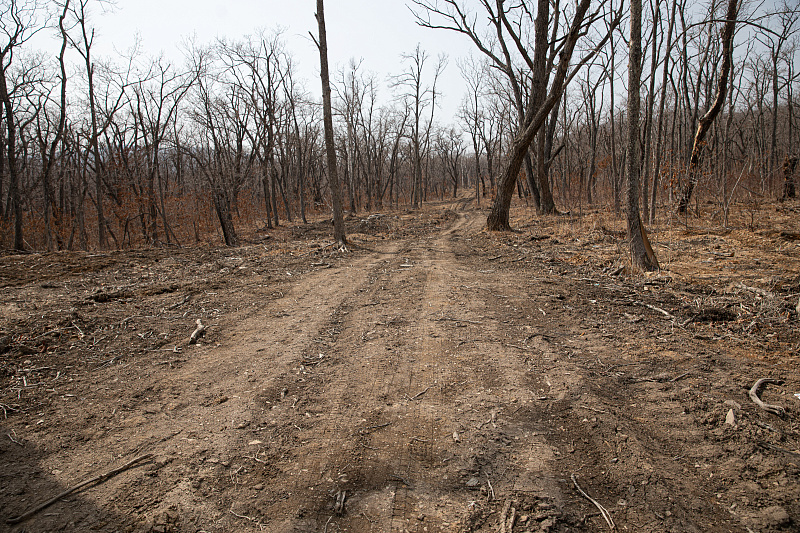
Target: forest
{"type": "Point", "coordinates": [129, 151]}
{"type": "Point", "coordinates": [571, 307]}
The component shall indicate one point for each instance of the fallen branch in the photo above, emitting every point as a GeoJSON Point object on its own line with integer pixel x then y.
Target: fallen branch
{"type": "Point", "coordinates": [448, 319]}
{"type": "Point", "coordinates": [370, 429]}
{"type": "Point", "coordinates": [402, 480]}
{"type": "Point", "coordinates": [756, 290]}
{"type": "Point", "coordinates": [658, 309]}
{"type": "Point", "coordinates": [417, 395]}
{"type": "Point", "coordinates": [603, 510]}
{"type": "Point", "coordinates": [769, 446]}
{"type": "Point", "coordinates": [339, 499]}
{"type": "Point", "coordinates": [6, 408]}
{"type": "Point", "coordinates": [250, 518]}
{"type": "Point", "coordinates": [197, 333]}
{"type": "Point", "coordinates": [774, 409]}
{"type": "Point", "coordinates": [178, 304]}
{"type": "Point", "coordinates": [13, 438]}
{"type": "Point", "coordinates": [96, 479]}
{"type": "Point", "coordinates": [503, 515]}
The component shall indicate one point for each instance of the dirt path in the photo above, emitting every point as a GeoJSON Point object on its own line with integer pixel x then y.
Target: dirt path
{"type": "Point", "coordinates": [443, 381]}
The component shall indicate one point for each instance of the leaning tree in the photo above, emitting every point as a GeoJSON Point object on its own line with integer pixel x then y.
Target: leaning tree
{"type": "Point", "coordinates": [540, 84]}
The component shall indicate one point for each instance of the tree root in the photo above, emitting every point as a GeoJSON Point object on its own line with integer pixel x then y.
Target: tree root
{"type": "Point", "coordinates": [774, 409]}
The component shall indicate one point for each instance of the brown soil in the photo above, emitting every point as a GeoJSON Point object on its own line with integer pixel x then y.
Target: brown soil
{"type": "Point", "coordinates": [435, 377]}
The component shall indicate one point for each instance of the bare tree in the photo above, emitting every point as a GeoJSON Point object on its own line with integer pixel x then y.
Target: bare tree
{"type": "Point", "coordinates": [473, 73]}
{"type": "Point", "coordinates": [422, 100]}
{"type": "Point", "coordinates": [642, 254]}
{"type": "Point", "coordinates": [156, 108]}
{"type": "Point", "coordinates": [707, 119]}
{"type": "Point", "coordinates": [661, 106]}
{"type": "Point", "coordinates": [333, 176]}
{"type": "Point", "coordinates": [18, 23]}
{"type": "Point", "coordinates": [84, 48]}
{"type": "Point", "coordinates": [450, 148]}
{"type": "Point", "coordinates": [788, 16]}
{"type": "Point", "coordinates": [509, 22]}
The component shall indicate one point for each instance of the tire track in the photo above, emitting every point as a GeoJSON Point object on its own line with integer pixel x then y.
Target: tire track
{"type": "Point", "coordinates": [408, 420]}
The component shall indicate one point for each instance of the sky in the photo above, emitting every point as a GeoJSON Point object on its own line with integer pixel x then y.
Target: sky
{"type": "Point", "coordinates": [377, 32]}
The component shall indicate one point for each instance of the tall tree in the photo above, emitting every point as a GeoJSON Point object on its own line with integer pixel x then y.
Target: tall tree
{"type": "Point", "coordinates": [509, 23]}
{"type": "Point", "coordinates": [84, 48]}
{"type": "Point", "coordinates": [18, 23]}
{"type": "Point", "coordinates": [642, 254]}
{"type": "Point", "coordinates": [473, 73]}
{"type": "Point", "coordinates": [661, 106]}
{"type": "Point", "coordinates": [333, 176]}
{"type": "Point", "coordinates": [421, 97]}
{"type": "Point", "coordinates": [693, 173]}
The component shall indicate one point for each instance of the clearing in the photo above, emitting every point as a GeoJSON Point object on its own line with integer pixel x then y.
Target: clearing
{"type": "Point", "coordinates": [434, 378]}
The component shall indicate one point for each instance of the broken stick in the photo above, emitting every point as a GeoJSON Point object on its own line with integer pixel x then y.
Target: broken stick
{"type": "Point", "coordinates": [197, 333]}
{"type": "Point", "coordinates": [774, 409]}
{"type": "Point", "coordinates": [603, 511]}
{"type": "Point", "coordinates": [96, 479]}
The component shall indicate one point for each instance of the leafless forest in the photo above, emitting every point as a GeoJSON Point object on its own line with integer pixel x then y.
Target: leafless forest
{"type": "Point", "coordinates": [184, 348]}
{"type": "Point", "coordinates": [129, 151]}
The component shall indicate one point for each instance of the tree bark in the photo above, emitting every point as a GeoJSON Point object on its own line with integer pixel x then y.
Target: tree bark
{"type": "Point", "coordinates": [789, 165]}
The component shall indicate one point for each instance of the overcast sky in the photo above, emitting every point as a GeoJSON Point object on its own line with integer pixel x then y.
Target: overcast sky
{"type": "Point", "coordinates": [377, 31]}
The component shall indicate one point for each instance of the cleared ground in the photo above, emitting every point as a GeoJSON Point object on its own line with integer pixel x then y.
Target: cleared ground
{"type": "Point", "coordinates": [434, 378]}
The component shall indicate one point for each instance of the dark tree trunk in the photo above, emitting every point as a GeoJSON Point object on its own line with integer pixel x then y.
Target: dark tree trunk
{"type": "Point", "coordinates": [642, 254]}
{"type": "Point", "coordinates": [222, 206]}
{"type": "Point", "coordinates": [333, 176]}
{"type": "Point", "coordinates": [13, 185]}
{"type": "Point", "coordinates": [789, 165]}
{"type": "Point", "coordinates": [498, 217]}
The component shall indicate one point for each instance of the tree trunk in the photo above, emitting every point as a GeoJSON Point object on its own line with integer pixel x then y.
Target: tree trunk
{"type": "Point", "coordinates": [659, 128]}
{"type": "Point", "coordinates": [498, 217]}
{"type": "Point", "coordinates": [642, 255]}
{"type": "Point", "coordinates": [693, 173]}
{"type": "Point", "coordinates": [222, 205]}
{"type": "Point", "coordinates": [333, 176]}
{"type": "Point", "coordinates": [13, 185]}
{"type": "Point", "coordinates": [789, 165]}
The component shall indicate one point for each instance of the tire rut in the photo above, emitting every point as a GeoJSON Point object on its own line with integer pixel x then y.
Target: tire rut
{"type": "Point", "coordinates": [405, 417]}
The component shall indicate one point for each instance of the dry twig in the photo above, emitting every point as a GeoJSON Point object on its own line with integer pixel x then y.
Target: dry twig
{"type": "Point", "coordinates": [338, 506]}
{"type": "Point", "coordinates": [755, 290]}
{"type": "Point", "coordinates": [603, 511]}
{"type": "Point", "coordinates": [417, 395]}
{"type": "Point", "coordinates": [658, 309]}
{"type": "Point", "coordinates": [370, 429]}
{"type": "Point", "coordinates": [250, 518]}
{"type": "Point", "coordinates": [96, 479]}
{"type": "Point", "coordinates": [778, 448]}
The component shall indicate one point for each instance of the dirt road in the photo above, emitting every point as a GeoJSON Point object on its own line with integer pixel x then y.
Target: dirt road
{"type": "Point", "coordinates": [442, 380]}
